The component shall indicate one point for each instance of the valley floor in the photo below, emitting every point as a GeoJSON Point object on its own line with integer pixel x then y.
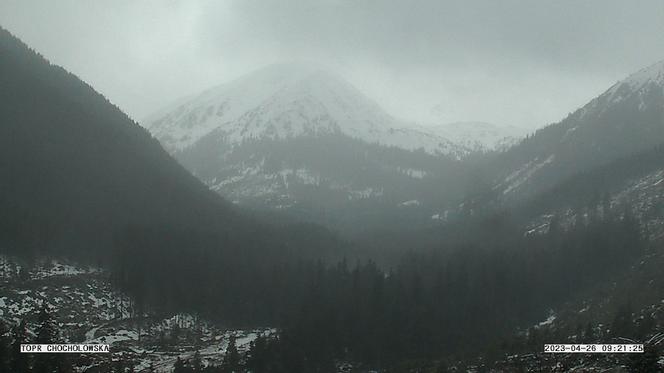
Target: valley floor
{"type": "Point", "coordinates": [88, 310]}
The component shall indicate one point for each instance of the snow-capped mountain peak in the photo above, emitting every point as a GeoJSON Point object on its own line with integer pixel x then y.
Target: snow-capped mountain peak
{"type": "Point", "coordinates": [193, 117]}
{"type": "Point", "coordinates": [643, 79]}
{"type": "Point", "coordinates": [286, 101]}
{"type": "Point", "coordinates": [304, 139]}
{"type": "Point", "coordinates": [650, 74]}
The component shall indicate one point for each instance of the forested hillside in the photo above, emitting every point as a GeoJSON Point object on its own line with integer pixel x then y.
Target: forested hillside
{"type": "Point", "coordinates": [76, 170]}
{"type": "Point", "coordinates": [626, 119]}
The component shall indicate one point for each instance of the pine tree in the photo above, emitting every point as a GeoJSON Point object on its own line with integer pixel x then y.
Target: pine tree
{"type": "Point", "coordinates": [4, 347]}
{"type": "Point", "coordinates": [47, 333]}
{"type": "Point", "coordinates": [622, 325]}
{"type": "Point", "coordinates": [20, 363]}
{"type": "Point", "coordinates": [645, 362]}
{"type": "Point", "coordinates": [589, 334]}
{"type": "Point", "coordinates": [256, 357]}
{"type": "Point", "coordinates": [175, 334]}
{"type": "Point", "coordinates": [231, 363]}
{"type": "Point", "coordinates": [196, 364]}
{"type": "Point", "coordinates": [119, 366]}
{"type": "Point", "coordinates": [645, 326]}
{"type": "Point", "coordinates": [178, 367]}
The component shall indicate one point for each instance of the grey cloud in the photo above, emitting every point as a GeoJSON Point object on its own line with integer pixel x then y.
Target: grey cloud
{"type": "Point", "coordinates": [522, 62]}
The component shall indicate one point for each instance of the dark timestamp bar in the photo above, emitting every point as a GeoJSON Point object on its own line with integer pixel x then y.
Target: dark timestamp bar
{"type": "Point", "coordinates": [594, 348]}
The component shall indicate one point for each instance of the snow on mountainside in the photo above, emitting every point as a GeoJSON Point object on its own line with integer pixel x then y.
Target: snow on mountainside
{"type": "Point", "coordinates": [479, 136]}
{"type": "Point", "coordinates": [639, 86]}
{"type": "Point", "coordinates": [626, 119]}
{"type": "Point", "coordinates": [643, 196]}
{"type": "Point", "coordinates": [638, 81]}
{"type": "Point", "coordinates": [284, 102]}
{"type": "Point", "coordinates": [298, 138]}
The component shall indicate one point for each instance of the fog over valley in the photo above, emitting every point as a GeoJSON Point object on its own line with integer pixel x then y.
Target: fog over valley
{"type": "Point", "coordinates": [331, 186]}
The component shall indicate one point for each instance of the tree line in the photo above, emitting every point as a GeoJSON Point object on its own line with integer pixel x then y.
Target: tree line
{"type": "Point", "coordinates": [446, 302]}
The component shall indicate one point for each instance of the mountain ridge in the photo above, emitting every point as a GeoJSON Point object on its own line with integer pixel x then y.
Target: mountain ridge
{"type": "Point", "coordinates": [285, 101]}
{"type": "Point", "coordinates": [627, 118]}
{"type": "Point", "coordinates": [73, 159]}
{"type": "Point", "coordinates": [479, 136]}
{"type": "Point", "coordinates": [311, 142]}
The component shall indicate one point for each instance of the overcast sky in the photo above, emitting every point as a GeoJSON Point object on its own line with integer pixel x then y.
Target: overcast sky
{"type": "Point", "coordinates": [526, 62]}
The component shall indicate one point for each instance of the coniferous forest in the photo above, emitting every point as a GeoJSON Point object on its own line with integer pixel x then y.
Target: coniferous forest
{"type": "Point", "coordinates": [187, 250]}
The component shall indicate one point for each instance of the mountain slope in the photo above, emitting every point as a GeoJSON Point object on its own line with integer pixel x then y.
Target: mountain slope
{"type": "Point", "coordinates": [626, 119]}
{"type": "Point", "coordinates": [283, 102]}
{"type": "Point", "coordinates": [632, 185]}
{"type": "Point", "coordinates": [302, 140]}
{"type": "Point", "coordinates": [81, 180]}
{"type": "Point", "coordinates": [75, 168]}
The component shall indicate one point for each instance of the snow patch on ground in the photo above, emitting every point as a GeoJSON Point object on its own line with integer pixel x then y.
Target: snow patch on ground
{"type": "Point", "coordinates": [549, 320]}
{"type": "Point", "coordinates": [365, 193]}
{"type": "Point", "coordinates": [88, 310]}
{"type": "Point", "coordinates": [412, 202]}
{"type": "Point", "coordinates": [413, 173]}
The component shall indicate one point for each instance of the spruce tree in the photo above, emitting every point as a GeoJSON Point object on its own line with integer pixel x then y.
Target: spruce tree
{"type": "Point", "coordinates": [256, 357]}
{"type": "Point", "coordinates": [231, 363]}
{"type": "Point", "coordinates": [178, 367]}
{"type": "Point", "coordinates": [645, 362]}
{"type": "Point", "coordinates": [196, 364]}
{"type": "Point", "coordinates": [4, 347]}
{"type": "Point", "coordinates": [20, 363]}
{"type": "Point", "coordinates": [119, 366]}
{"type": "Point", "coordinates": [622, 325]}
{"type": "Point", "coordinates": [589, 334]}
{"type": "Point", "coordinates": [47, 333]}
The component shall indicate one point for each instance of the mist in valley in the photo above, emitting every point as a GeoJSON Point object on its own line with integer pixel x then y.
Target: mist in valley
{"type": "Point", "coordinates": [331, 186]}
